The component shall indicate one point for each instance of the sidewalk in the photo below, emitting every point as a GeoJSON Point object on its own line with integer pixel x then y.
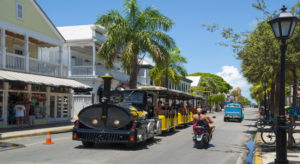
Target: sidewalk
{"type": "Point", "coordinates": [266, 154]}
{"type": "Point", "coordinates": [35, 130]}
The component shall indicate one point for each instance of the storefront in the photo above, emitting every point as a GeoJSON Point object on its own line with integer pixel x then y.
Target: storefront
{"type": "Point", "coordinates": [46, 99]}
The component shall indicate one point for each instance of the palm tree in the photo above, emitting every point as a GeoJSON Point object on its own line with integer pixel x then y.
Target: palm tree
{"type": "Point", "coordinates": [137, 32]}
{"type": "Point", "coordinates": [172, 69]}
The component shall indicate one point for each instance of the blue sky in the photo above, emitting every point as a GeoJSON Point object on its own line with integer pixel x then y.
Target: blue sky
{"type": "Point", "coordinates": [199, 46]}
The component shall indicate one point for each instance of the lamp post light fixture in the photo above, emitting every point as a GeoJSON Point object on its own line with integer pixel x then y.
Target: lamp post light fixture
{"type": "Point", "coordinates": [283, 26]}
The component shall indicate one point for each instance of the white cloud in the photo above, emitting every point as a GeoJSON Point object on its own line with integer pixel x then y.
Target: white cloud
{"type": "Point", "coordinates": [232, 75]}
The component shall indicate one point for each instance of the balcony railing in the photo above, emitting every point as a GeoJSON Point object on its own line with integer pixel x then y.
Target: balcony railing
{"type": "Point", "coordinates": [45, 68]}
{"type": "Point", "coordinates": [88, 71]}
{"type": "Point", "coordinates": [142, 80]}
{"type": "Point", "coordinates": [118, 75]}
{"type": "Point", "coordinates": [18, 63]}
{"type": "Point", "coordinates": [82, 70]}
{"type": "Point", "coordinates": [15, 62]}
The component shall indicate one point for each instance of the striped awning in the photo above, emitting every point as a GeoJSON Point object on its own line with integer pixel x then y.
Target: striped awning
{"type": "Point", "coordinates": [40, 80]}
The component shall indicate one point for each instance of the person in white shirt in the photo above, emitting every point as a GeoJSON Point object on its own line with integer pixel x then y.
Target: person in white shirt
{"type": "Point", "coordinates": [20, 113]}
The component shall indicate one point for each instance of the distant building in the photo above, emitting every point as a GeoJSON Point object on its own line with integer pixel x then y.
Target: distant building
{"type": "Point", "coordinates": [144, 78]}
{"type": "Point", "coordinates": [239, 90]}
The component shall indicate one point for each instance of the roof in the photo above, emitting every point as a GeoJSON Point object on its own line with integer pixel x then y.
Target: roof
{"type": "Point", "coordinates": [79, 32]}
{"type": "Point", "coordinates": [195, 80]}
{"type": "Point", "coordinates": [49, 21]}
{"type": "Point", "coordinates": [237, 89]}
{"type": "Point", "coordinates": [164, 92]}
{"type": "Point", "coordinates": [40, 80]}
{"type": "Point", "coordinates": [147, 61]}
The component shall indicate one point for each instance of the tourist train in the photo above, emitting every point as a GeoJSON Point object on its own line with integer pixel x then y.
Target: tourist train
{"type": "Point", "coordinates": [132, 116]}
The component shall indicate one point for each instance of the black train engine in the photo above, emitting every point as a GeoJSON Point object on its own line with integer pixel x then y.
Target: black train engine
{"type": "Point", "coordinates": [109, 122]}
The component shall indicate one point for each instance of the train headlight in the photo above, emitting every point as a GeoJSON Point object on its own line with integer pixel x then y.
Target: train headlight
{"type": "Point", "coordinates": [95, 122]}
{"type": "Point", "coordinates": [116, 122]}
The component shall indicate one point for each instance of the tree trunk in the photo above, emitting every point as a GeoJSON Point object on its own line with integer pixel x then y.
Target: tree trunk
{"type": "Point", "coordinates": [166, 81]}
{"type": "Point", "coordinates": [134, 73]}
{"type": "Point", "coordinates": [290, 132]}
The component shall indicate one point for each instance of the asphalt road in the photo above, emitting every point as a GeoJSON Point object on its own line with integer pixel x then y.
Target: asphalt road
{"type": "Point", "coordinates": [227, 146]}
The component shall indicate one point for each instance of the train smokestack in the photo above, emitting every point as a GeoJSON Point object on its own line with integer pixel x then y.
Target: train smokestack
{"type": "Point", "coordinates": [107, 86]}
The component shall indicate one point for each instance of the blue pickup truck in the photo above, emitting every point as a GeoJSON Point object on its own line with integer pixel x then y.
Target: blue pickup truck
{"type": "Point", "coordinates": [233, 112]}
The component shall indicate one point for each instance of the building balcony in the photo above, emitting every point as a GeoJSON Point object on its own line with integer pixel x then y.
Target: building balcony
{"type": "Point", "coordinates": [25, 52]}
{"type": "Point", "coordinates": [86, 71]}
{"type": "Point", "coordinates": [16, 62]}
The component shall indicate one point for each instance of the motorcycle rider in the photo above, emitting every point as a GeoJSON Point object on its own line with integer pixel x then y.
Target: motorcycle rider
{"type": "Point", "coordinates": [201, 115]}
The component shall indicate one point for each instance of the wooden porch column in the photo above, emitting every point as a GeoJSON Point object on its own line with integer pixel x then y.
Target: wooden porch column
{"type": "Point", "coordinates": [26, 53]}
{"type": "Point", "coordinates": [61, 60]}
{"type": "Point", "coordinates": [94, 58]}
{"type": "Point", "coordinates": [48, 89]}
{"type": "Point", "coordinates": [69, 60]}
{"type": "Point", "coordinates": [3, 48]}
{"type": "Point", "coordinates": [5, 103]}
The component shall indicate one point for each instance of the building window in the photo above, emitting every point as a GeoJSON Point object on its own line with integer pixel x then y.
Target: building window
{"type": "Point", "coordinates": [20, 12]}
{"type": "Point", "coordinates": [18, 52]}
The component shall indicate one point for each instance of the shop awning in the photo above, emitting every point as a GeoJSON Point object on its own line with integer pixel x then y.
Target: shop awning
{"type": "Point", "coordinates": [41, 80]}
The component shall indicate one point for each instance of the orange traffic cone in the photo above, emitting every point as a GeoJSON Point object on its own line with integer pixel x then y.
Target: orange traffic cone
{"type": "Point", "coordinates": [48, 139]}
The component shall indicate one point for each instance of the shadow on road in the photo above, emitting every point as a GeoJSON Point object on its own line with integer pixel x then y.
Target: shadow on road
{"type": "Point", "coordinates": [209, 146]}
{"type": "Point", "coordinates": [123, 147]}
{"type": "Point", "coordinates": [183, 126]}
{"type": "Point", "coordinates": [170, 133]}
{"type": "Point", "coordinates": [228, 149]}
{"type": "Point", "coordinates": [253, 119]}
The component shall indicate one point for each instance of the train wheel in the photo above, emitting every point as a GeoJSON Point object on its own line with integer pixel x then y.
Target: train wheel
{"type": "Point", "coordinates": [151, 139]}
{"type": "Point", "coordinates": [87, 144]}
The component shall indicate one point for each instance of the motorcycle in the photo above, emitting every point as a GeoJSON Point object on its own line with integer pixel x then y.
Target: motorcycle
{"type": "Point", "coordinates": [201, 136]}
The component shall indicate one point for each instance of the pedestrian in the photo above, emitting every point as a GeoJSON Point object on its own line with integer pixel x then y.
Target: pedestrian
{"type": "Point", "coordinates": [31, 115]}
{"type": "Point", "coordinates": [11, 113]}
{"type": "Point", "coordinates": [20, 113]}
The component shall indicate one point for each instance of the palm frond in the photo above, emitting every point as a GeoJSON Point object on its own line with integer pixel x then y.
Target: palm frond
{"type": "Point", "coordinates": [153, 20]}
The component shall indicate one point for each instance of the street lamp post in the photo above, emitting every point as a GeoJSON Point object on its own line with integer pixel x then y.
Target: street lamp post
{"type": "Point", "coordinates": [283, 26]}
{"type": "Point", "coordinates": [268, 104]}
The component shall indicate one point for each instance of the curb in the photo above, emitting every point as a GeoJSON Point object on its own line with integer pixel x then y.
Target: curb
{"type": "Point", "coordinates": [257, 157]}
{"type": "Point", "coordinates": [37, 133]}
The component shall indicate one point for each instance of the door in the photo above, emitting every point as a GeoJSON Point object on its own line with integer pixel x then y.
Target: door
{"type": "Point", "coordinates": [59, 107]}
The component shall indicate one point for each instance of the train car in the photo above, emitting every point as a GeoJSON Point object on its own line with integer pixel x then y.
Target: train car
{"type": "Point", "coordinates": [127, 116]}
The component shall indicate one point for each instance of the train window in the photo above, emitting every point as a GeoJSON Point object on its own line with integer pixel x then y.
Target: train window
{"type": "Point", "coordinates": [133, 97]}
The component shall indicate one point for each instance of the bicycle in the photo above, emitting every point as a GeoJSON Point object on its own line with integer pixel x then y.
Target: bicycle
{"type": "Point", "coordinates": [268, 135]}
{"type": "Point", "coordinates": [262, 121]}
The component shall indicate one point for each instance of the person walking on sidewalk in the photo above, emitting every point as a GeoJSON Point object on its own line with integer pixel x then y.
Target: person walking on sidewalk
{"type": "Point", "coordinates": [31, 115]}
{"type": "Point", "coordinates": [20, 113]}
